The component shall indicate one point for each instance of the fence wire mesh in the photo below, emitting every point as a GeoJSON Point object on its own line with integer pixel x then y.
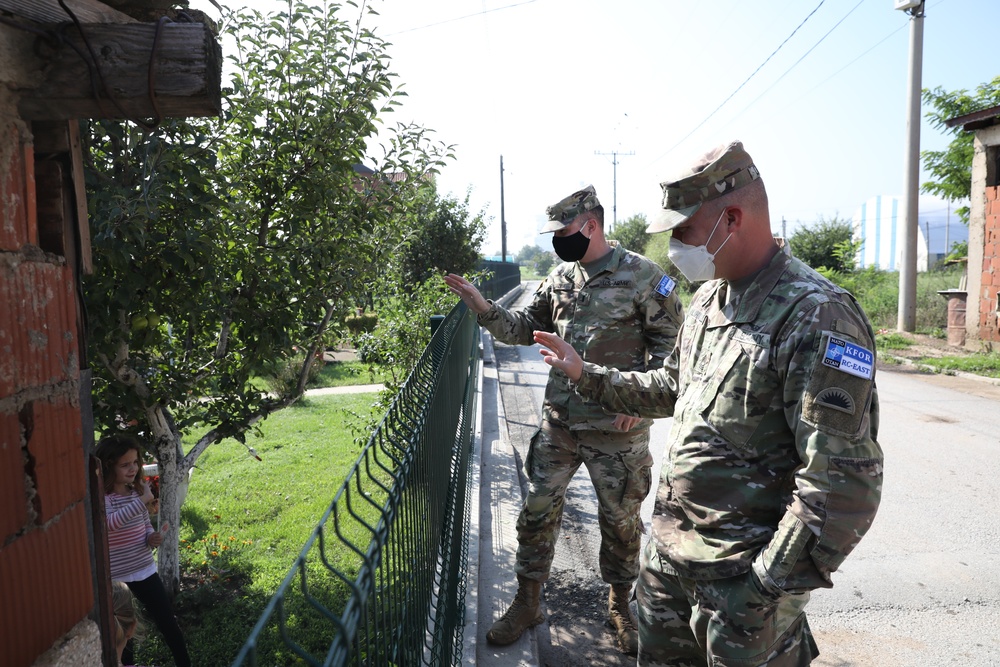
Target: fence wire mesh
{"type": "Point", "coordinates": [381, 578]}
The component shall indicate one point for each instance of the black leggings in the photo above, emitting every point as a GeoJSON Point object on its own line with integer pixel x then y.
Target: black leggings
{"type": "Point", "coordinates": [158, 609]}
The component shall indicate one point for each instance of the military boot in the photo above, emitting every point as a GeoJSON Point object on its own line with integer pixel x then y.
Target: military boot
{"type": "Point", "coordinates": [524, 612]}
{"type": "Point", "coordinates": [621, 618]}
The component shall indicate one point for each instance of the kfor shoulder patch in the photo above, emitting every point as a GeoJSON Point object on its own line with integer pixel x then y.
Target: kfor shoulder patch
{"type": "Point", "coordinates": [836, 397]}
{"type": "Point", "coordinates": [666, 285]}
{"type": "Point", "coordinates": [848, 357]}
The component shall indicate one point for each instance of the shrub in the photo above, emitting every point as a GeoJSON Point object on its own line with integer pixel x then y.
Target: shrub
{"type": "Point", "coordinates": [878, 293]}
{"type": "Point", "coordinates": [361, 324]}
{"type": "Point", "coordinates": [284, 374]}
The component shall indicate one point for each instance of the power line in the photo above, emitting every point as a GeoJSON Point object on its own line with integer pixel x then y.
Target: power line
{"type": "Point", "coordinates": [796, 63]}
{"type": "Point", "coordinates": [461, 18]}
{"type": "Point", "coordinates": [705, 120]}
{"type": "Point", "coordinates": [862, 55]}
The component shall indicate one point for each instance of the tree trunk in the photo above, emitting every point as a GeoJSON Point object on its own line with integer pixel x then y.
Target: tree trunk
{"type": "Point", "coordinates": [173, 487]}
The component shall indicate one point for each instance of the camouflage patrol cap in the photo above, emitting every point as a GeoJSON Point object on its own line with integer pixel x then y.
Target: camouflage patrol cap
{"type": "Point", "coordinates": [565, 210]}
{"type": "Point", "coordinates": [725, 168]}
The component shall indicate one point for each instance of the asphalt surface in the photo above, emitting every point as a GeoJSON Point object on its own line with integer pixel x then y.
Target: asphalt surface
{"type": "Point", "coordinates": [922, 588]}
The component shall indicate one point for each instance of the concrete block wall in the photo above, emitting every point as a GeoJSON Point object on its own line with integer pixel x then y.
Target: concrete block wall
{"type": "Point", "coordinates": [989, 294]}
{"type": "Point", "coordinates": [46, 590]}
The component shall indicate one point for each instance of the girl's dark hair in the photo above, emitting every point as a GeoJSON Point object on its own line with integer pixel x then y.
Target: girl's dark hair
{"type": "Point", "coordinates": [109, 449]}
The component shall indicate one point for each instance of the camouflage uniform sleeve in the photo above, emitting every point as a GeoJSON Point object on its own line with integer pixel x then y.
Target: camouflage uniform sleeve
{"type": "Point", "coordinates": [662, 317]}
{"type": "Point", "coordinates": [833, 414]}
{"type": "Point", "coordinates": [517, 327]}
{"type": "Point", "coordinates": [650, 395]}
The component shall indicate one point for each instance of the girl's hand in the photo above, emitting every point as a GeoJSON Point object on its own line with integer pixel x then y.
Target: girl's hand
{"type": "Point", "coordinates": [154, 540]}
{"type": "Point", "coordinates": [144, 490]}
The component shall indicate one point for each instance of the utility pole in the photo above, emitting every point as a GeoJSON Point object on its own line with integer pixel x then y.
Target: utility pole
{"type": "Point", "coordinates": [614, 161]}
{"type": "Point", "coordinates": [907, 313]}
{"type": "Point", "coordinates": [947, 229]}
{"type": "Point", "coordinates": [927, 243]}
{"type": "Point", "coordinates": [503, 221]}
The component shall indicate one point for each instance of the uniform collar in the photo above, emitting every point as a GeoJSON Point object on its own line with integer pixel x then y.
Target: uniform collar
{"type": "Point", "coordinates": [611, 263]}
{"type": "Point", "coordinates": [745, 307]}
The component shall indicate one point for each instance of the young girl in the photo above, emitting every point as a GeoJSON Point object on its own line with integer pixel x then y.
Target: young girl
{"type": "Point", "coordinates": [131, 538]}
{"type": "Point", "coordinates": [127, 625]}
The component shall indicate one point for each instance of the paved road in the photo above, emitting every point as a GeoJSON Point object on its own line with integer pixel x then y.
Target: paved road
{"type": "Point", "coordinates": [922, 589]}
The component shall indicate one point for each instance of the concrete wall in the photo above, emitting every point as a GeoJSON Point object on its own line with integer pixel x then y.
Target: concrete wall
{"type": "Point", "coordinates": [46, 573]}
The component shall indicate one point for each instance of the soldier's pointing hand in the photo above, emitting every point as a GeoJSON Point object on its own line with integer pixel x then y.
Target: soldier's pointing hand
{"type": "Point", "coordinates": [467, 292]}
{"type": "Point", "coordinates": [560, 354]}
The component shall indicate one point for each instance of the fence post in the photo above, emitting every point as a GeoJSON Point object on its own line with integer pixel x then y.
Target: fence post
{"type": "Point", "coordinates": [436, 321]}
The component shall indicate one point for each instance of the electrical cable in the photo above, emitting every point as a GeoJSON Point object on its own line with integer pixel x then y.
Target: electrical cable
{"type": "Point", "coordinates": [738, 88]}
{"type": "Point", "coordinates": [460, 18]}
{"type": "Point", "coordinates": [796, 63]}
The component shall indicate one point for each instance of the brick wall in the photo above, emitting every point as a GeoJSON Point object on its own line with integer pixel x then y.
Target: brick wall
{"type": "Point", "coordinates": [45, 570]}
{"type": "Point", "coordinates": [989, 329]}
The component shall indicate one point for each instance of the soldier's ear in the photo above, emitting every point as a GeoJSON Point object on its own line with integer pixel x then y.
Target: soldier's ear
{"type": "Point", "coordinates": [734, 218]}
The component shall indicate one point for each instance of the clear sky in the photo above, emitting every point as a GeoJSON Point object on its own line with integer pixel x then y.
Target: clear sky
{"type": "Point", "coordinates": [556, 86]}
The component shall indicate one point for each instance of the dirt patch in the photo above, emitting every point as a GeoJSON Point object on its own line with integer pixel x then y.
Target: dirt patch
{"type": "Point", "coordinates": [908, 361]}
{"type": "Point", "coordinates": [926, 346]}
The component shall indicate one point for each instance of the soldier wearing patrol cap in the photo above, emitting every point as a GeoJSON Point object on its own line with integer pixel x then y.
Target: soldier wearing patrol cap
{"type": "Point", "coordinates": [773, 473]}
{"type": "Point", "coordinates": [615, 308]}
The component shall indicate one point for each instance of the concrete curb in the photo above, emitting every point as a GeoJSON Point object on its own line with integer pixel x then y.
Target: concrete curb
{"type": "Point", "coordinates": [496, 504]}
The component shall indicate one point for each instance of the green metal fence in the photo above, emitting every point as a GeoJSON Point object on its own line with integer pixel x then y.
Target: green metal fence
{"type": "Point", "coordinates": [381, 579]}
{"type": "Point", "coordinates": [504, 276]}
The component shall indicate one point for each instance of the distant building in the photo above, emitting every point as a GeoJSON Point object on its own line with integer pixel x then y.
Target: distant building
{"type": "Point", "coordinates": [878, 225]}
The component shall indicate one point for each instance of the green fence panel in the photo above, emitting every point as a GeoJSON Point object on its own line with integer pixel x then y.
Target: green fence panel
{"type": "Point", "coordinates": [381, 578]}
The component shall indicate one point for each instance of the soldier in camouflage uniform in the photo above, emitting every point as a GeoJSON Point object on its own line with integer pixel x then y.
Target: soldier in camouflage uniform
{"type": "Point", "coordinates": [772, 473]}
{"type": "Point", "coordinates": [615, 308]}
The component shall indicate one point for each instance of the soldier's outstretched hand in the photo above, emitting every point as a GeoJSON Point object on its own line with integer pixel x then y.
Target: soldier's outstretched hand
{"type": "Point", "coordinates": [560, 354]}
{"type": "Point", "coordinates": [467, 292]}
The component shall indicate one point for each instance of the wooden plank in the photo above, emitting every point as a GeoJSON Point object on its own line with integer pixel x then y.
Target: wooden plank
{"type": "Point", "coordinates": [49, 11]}
{"type": "Point", "coordinates": [187, 74]}
{"type": "Point", "coordinates": [62, 195]}
{"type": "Point", "coordinates": [80, 197]}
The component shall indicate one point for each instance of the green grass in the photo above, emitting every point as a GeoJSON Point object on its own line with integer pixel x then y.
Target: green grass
{"type": "Point", "coordinates": [335, 374]}
{"type": "Point", "coordinates": [891, 341]}
{"type": "Point", "coordinates": [348, 373]}
{"type": "Point", "coordinates": [529, 273]}
{"type": "Point", "coordinates": [245, 521]}
{"type": "Point", "coordinates": [979, 364]}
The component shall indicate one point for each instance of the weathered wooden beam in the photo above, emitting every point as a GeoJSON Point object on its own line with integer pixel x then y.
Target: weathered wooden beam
{"type": "Point", "coordinates": [63, 221]}
{"type": "Point", "coordinates": [186, 73]}
{"type": "Point", "coordinates": [49, 11]}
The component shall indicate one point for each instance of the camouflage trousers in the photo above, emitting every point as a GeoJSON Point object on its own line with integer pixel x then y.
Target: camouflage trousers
{"type": "Point", "coordinates": [619, 465]}
{"type": "Point", "coordinates": [717, 622]}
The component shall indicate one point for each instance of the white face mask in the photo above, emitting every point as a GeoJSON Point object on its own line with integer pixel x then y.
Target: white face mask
{"type": "Point", "coordinates": [696, 262]}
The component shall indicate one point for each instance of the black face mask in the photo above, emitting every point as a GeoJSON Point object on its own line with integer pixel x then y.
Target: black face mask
{"type": "Point", "coordinates": [571, 248]}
